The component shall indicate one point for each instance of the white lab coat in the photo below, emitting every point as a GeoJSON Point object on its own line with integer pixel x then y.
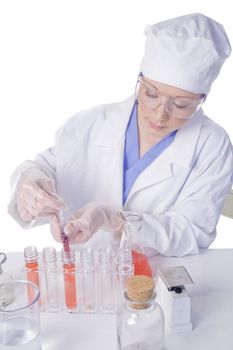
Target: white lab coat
{"type": "Point", "coordinates": [180, 194]}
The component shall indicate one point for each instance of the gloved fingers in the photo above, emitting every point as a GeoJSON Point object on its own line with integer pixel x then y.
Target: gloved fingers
{"type": "Point", "coordinates": [33, 210]}
{"type": "Point", "coordinates": [34, 199]}
{"type": "Point", "coordinates": [77, 230]}
{"type": "Point", "coordinates": [23, 213]}
{"type": "Point", "coordinates": [90, 219]}
{"type": "Point", "coordinates": [55, 228]}
{"type": "Point", "coordinates": [47, 199]}
{"type": "Point", "coordinates": [112, 219]}
{"type": "Point", "coordinates": [43, 210]}
{"type": "Point", "coordinates": [48, 185]}
{"type": "Point", "coordinates": [91, 216]}
{"type": "Point", "coordinates": [26, 216]}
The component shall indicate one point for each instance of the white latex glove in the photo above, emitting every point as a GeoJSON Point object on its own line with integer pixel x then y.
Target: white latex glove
{"type": "Point", "coordinates": [89, 219]}
{"type": "Point", "coordinates": [36, 196]}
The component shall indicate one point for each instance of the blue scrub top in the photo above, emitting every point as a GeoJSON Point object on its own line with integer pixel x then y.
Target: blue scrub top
{"type": "Point", "coordinates": [133, 164]}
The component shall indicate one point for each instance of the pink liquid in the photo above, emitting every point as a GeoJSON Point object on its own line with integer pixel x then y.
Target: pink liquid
{"type": "Point", "coordinates": [70, 285]}
{"type": "Point", "coordinates": [141, 264]}
{"type": "Point", "coordinates": [32, 273]}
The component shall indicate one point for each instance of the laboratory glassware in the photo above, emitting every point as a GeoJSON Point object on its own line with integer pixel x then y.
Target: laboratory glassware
{"type": "Point", "coordinates": [20, 320]}
{"type": "Point", "coordinates": [7, 294]}
{"type": "Point", "coordinates": [51, 272]}
{"type": "Point", "coordinates": [69, 273]}
{"type": "Point", "coordinates": [140, 320]}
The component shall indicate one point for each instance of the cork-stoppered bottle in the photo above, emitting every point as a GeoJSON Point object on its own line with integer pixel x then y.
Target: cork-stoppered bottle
{"type": "Point", "coordinates": [140, 320]}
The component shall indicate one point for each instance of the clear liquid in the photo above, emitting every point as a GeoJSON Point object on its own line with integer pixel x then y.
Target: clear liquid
{"type": "Point", "coordinates": [19, 333]}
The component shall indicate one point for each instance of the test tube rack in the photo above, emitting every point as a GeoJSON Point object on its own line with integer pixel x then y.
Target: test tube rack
{"type": "Point", "coordinates": [95, 283]}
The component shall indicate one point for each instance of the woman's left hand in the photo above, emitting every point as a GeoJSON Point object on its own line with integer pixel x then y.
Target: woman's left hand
{"type": "Point", "coordinates": [86, 221]}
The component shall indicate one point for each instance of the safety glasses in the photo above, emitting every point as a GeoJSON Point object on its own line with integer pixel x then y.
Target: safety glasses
{"type": "Point", "coordinates": [176, 107]}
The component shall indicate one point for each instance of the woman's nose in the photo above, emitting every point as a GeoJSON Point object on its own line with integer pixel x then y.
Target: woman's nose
{"type": "Point", "coordinates": [161, 112]}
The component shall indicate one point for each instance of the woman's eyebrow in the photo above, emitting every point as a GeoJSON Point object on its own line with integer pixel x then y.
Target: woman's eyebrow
{"type": "Point", "coordinates": [163, 93]}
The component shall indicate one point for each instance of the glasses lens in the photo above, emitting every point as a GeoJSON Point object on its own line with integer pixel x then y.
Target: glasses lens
{"type": "Point", "coordinates": [181, 108]}
{"type": "Point", "coordinates": [148, 96]}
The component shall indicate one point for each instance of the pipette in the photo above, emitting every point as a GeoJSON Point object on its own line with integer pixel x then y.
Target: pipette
{"type": "Point", "coordinates": [64, 237]}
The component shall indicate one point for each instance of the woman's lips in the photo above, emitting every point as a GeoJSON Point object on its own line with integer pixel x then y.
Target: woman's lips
{"type": "Point", "coordinates": [156, 127]}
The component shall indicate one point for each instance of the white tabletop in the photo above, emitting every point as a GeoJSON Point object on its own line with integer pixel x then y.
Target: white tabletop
{"type": "Point", "coordinates": [211, 309]}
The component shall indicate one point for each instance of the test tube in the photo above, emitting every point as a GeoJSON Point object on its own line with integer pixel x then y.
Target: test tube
{"type": "Point", "coordinates": [32, 267]}
{"type": "Point", "coordinates": [89, 283]}
{"type": "Point", "coordinates": [69, 273]}
{"type": "Point", "coordinates": [107, 280]}
{"type": "Point", "coordinates": [51, 278]}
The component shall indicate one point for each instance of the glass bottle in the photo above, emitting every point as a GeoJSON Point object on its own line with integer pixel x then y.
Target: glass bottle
{"type": "Point", "coordinates": [51, 278]}
{"type": "Point", "coordinates": [124, 271]}
{"type": "Point", "coordinates": [140, 320]}
{"type": "Point", "coordinates": [107, 279]}
{"type": "Point", "coordinates": [69, 273]}
{"type": "Point", "coordinates": [133, 225]}
{"type": "Point", "coordinates": [32, 267]}
{"type": "Point", "coordinates": [7, 295]}
{"type": "Point", "coordinates": [89, 282]}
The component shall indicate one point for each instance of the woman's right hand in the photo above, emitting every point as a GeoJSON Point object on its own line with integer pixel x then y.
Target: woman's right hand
{"type": "Point", "coordinates": [36, 197]}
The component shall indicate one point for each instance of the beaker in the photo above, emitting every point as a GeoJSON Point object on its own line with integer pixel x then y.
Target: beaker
{"type": "Point", "coordinates": [7, 296]}
{"type": "Point", "coordinates": [20, 320]}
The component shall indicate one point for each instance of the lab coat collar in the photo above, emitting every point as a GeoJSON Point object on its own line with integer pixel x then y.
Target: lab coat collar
{"type": "Point", "coordinates": [111, 140]}
{"type": "Point", "coordinates": [182, 150]}
{"type": "Point", "coordinates": [114, 127]}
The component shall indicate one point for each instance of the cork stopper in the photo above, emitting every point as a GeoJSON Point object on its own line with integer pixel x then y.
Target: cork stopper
{"type": "Point", "coordinates": [140, 288]}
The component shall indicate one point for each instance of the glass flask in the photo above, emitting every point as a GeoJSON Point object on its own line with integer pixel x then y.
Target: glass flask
{"type": "Point", "coordinates": [6, 295]}
{"type": "Point", "coordinates": [133, 225]}
{"type": "Point", "coordinates": [140, 320]}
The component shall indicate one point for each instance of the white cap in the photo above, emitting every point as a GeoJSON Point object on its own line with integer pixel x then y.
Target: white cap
{"type": "Point", "coordinates": [186, 52]}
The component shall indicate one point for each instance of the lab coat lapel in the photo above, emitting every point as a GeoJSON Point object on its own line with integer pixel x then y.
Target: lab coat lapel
{"type": "Point", "coordinates": [180, 152]}
{"type": "Point", "coordinates": [111, 141]}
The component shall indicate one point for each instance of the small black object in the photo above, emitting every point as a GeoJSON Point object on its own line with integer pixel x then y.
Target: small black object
{"type": "Point", "coordinates": [176, 289]}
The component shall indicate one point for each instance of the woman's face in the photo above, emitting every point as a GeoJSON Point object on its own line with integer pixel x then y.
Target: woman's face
{"type": "Point", "coordinates": [157, 123]}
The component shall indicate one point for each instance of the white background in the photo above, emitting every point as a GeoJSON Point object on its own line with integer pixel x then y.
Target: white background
{"type": "Point", "coordinates": [58, 57]}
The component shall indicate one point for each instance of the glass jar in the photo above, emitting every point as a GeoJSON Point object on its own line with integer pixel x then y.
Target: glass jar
{"type": "Point", "coordinates": [140, 320]}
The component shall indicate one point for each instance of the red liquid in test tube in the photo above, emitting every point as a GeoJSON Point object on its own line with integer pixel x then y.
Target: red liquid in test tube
{"type": "Point", "coordinates": [32, 269]}
{"type": "Point", "coordinates": [69, 272]}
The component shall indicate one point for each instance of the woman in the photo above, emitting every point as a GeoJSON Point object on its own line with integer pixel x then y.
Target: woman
{"type": "Point", "coordinates": [155, 154]}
